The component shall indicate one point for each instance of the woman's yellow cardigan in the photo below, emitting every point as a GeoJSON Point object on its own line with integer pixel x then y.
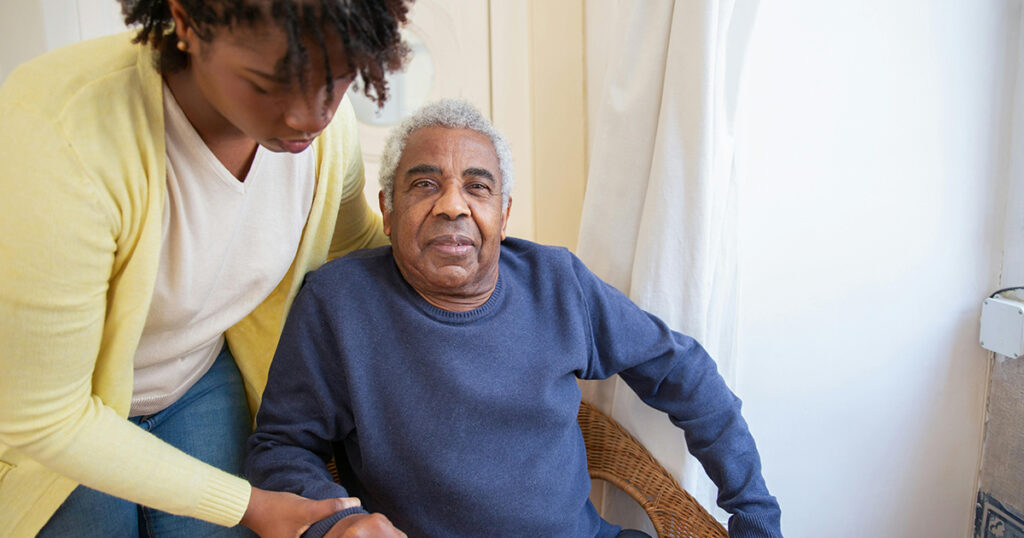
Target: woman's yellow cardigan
{"type": "Point", "coordinates": [82, 187]}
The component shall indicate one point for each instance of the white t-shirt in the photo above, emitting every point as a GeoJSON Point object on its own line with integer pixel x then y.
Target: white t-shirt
{"type": "Point", "coordinates": [226, 245]}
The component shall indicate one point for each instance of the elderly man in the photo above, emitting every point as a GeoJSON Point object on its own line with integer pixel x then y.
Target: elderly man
{"type": "Point", "coordinates": [442, 370]}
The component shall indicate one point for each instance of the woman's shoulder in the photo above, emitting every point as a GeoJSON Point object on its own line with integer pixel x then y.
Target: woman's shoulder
{"type": "Point", "coordinates": [51, 82]}
{"type": "Point", "coordinates": [87, 105]}
{"type": "Point", "coordinates": [87, 117]}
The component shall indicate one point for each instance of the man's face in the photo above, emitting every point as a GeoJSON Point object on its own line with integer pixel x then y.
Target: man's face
{"type": "Point", "coordinates": [447, 222]}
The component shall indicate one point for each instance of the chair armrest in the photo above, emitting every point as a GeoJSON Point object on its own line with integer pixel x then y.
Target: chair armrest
{"type": "Point", "coordinates": [615, 456]}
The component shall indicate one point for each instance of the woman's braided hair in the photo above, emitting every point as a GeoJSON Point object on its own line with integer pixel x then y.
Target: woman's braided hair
{"type": "Point", "coordinates": [367, 28]}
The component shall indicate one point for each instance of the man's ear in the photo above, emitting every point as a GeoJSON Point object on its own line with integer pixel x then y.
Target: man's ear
{"type": "Point", "coordinates": [504, 218]}
{"type": "Point", "coordinates": [384, 213]}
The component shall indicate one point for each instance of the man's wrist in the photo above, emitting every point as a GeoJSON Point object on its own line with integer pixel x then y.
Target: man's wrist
{"type": "Point", "coordinates": [320, 528]}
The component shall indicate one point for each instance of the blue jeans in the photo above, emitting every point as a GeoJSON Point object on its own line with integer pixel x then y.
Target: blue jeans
{"type": "Point", "coordinates": [210, 422]}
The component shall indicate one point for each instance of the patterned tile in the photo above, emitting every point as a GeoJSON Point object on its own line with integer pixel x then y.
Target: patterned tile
{"type": "Point", "coordinates": [993, 519]}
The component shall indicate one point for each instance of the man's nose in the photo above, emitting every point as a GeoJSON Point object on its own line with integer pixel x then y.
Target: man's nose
{"type": "Point", "coordinates": [452, 203]}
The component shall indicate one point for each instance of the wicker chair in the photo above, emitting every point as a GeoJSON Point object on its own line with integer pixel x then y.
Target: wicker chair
{"type": "Point", "coordinates": [615, 456]}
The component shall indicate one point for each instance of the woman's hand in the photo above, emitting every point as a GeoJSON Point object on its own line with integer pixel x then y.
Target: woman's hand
{"type": "Point", "coordinates": [276, 514]}
{"type": "Point", "coordinates": [364, 525]}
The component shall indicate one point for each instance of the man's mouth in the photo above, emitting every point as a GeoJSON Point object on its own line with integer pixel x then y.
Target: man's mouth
{"type": "Point", "coordinates": [454, 244]}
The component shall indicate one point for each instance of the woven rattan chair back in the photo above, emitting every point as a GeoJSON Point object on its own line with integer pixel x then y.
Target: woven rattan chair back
{"type": "Point", "coordinates": [615, 456]}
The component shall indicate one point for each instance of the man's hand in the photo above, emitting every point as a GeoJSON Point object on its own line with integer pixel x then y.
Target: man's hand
{"type": "Point", "coordinates": [364, 525]}
{"type": "Point", "coordinates": [276, 514]}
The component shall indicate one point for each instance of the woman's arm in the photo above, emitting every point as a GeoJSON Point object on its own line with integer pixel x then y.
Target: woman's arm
{"type": "Point", "coordinates": [67, 264]}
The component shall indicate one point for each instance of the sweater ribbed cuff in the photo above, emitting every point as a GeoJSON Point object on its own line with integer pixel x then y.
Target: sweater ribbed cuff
{"type": "Point", "coordinates": [320, 528]}
{"type": "Point", "coordinates": [762, 525]}
{"type": "Point", "coordinates": [224, 501]}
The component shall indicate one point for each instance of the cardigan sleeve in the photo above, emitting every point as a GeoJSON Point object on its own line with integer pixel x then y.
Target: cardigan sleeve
{"type": "Point", "coordinates": [62, 252]}
{"type": "Point", "coordinates": [357, 226]}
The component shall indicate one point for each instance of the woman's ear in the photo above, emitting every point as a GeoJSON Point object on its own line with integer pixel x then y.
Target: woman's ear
{"type": "Point", "coordinates": [182, 27]}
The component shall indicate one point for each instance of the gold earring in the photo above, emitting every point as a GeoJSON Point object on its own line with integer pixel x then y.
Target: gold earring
{"type": "Point", "coordinates": [182, 46]}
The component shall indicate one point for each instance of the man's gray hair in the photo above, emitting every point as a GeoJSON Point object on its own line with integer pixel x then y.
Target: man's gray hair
{"type": "Point", "coordinates": [451, 113]}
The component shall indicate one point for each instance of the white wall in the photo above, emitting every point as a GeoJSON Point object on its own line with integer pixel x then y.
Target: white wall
{"type": "Point", "coordinates": [21, 34]}
{"type": "Point", "coordinates": [29, 28]}
{"type": "Point", "coordinates": [1002, 467]}
{"type": "Point", "coordinates": [872, 162]}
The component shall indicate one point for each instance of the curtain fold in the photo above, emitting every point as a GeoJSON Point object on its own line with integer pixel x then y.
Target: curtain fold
{"type": "Point", "coordinates": [659, 214]}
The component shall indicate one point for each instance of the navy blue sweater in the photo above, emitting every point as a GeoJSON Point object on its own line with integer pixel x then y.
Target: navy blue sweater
{"type": "Point", "coordinates": [464, 424]}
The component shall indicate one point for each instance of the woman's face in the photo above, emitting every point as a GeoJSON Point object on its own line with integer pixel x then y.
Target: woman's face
{"type": "Point", "coordinates": [236, 74]}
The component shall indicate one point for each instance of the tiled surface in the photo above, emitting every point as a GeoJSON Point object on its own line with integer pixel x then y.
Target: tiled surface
{"type": "Point", "coordinates": [995, 520]}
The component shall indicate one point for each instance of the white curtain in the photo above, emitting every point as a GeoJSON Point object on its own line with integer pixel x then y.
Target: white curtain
{"type": "Point", "coordinates": [659, 214]}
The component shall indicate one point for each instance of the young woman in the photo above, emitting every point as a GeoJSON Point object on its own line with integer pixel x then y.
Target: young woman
{"type": "Point", "coordinates": [161, 199]}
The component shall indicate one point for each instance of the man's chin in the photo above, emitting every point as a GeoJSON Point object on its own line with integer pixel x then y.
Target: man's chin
{"type": "Point", "coordinates": [450, 276]}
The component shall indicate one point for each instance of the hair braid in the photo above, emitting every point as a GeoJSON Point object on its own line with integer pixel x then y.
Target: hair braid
{"type": "Point", "coordinates": [368, 29]}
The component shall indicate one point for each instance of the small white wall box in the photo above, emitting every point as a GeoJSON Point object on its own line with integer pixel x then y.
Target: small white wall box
{"type": "Point", "coordinates": [1002, 326]}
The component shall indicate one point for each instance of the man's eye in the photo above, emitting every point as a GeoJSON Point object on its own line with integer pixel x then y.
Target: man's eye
{"type": "Point", "coordinates": [258, 89]}
{"type": "Point", "coordinates": [422, 183]}
{"type": "Point", "coordinates": [480, 186]}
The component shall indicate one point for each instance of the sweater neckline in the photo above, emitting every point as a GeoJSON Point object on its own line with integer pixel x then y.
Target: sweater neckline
{"type": "Point", "coordinates": [448, 316]}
